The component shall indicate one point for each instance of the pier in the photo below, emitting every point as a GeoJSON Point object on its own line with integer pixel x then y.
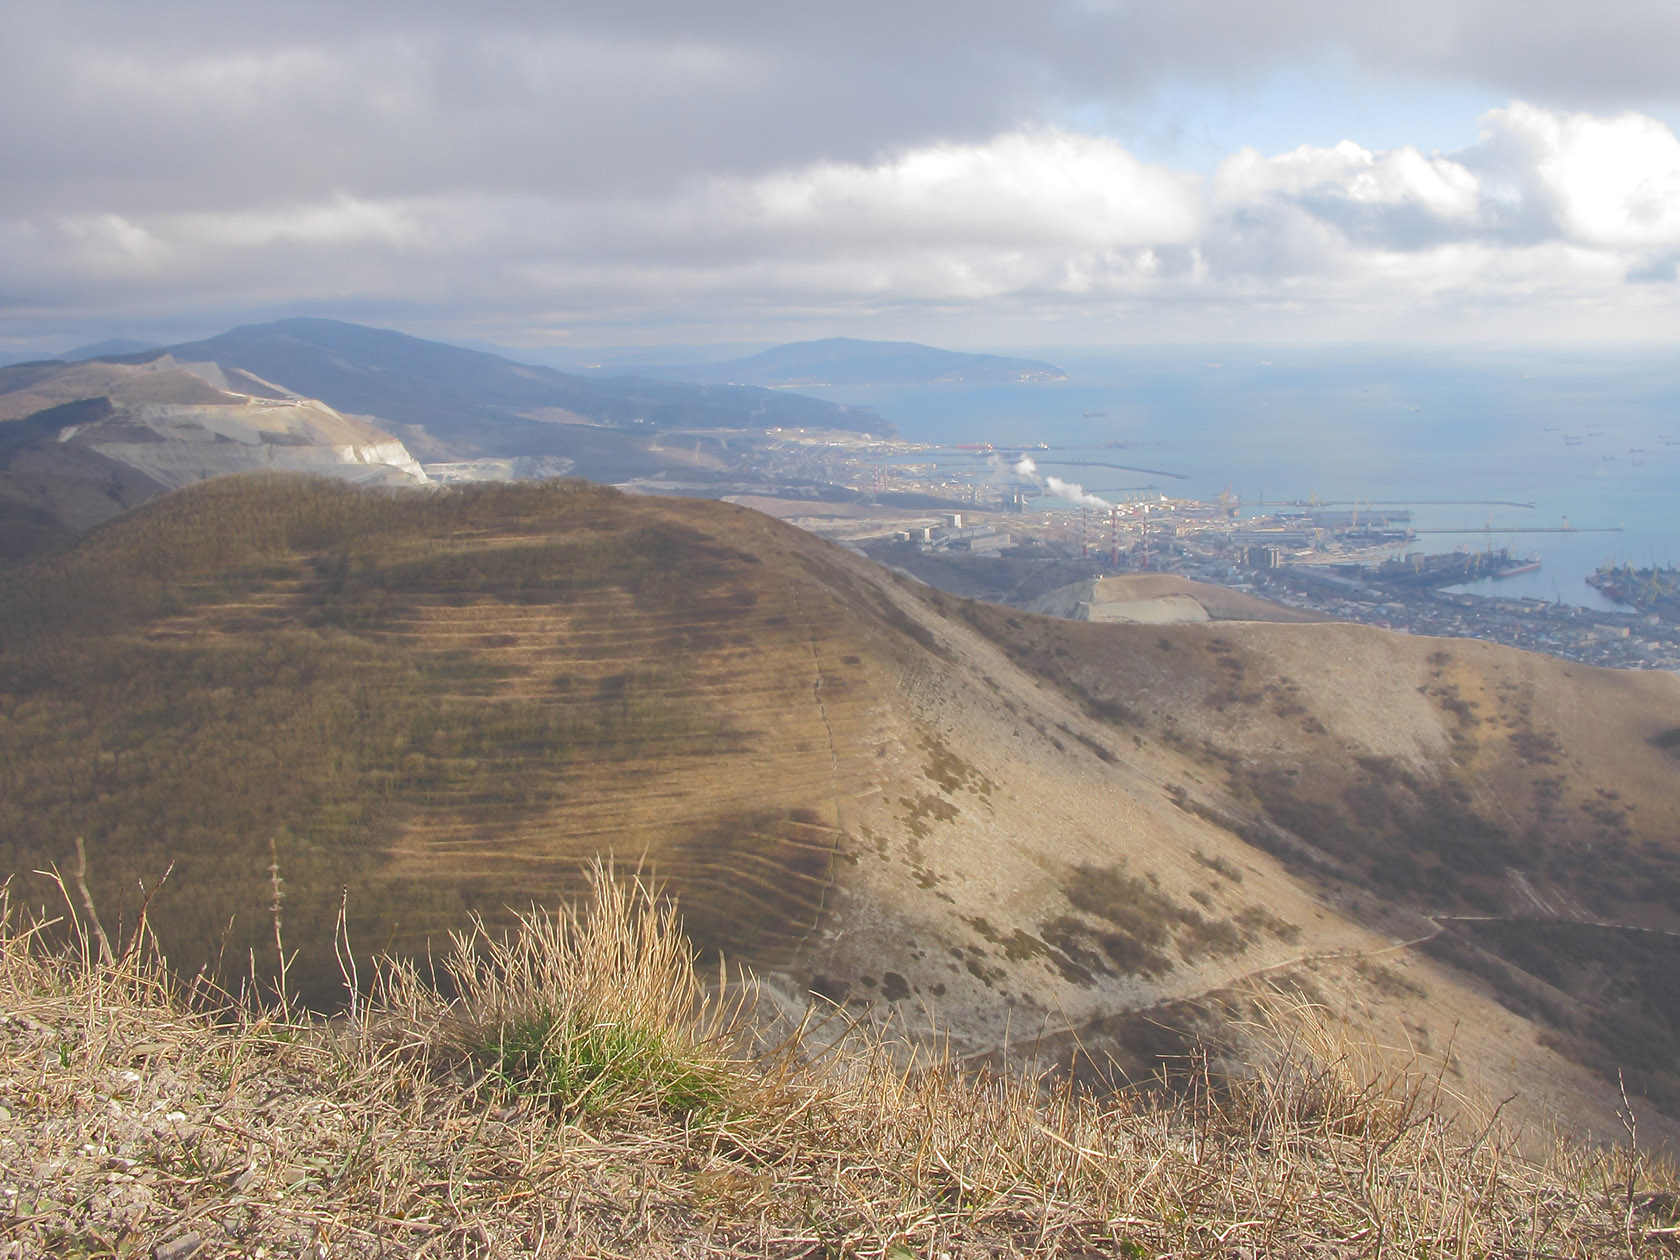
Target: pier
{"type": "Point", "coordinates": [1380, 503]}
{"type": "Point", "coordinates": [1095, 463]}
{"type": "Point", "coordinates": [1526, 529]}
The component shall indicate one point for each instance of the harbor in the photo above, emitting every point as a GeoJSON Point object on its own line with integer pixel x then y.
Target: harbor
{"type": "Point", "coordinates": [1000, 522]}
{"type": "Point", "coordinates": [1652, 590]}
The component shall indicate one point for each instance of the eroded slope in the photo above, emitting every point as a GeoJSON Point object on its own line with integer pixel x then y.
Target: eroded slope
{"type": "Point", "coordinates": [1507, 814]}
{"type": "Point", "coordinates": [81, 443]}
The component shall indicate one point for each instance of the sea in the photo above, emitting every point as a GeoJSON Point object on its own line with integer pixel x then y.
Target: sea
{"type": "Point", "coordinates": [1590, 438]}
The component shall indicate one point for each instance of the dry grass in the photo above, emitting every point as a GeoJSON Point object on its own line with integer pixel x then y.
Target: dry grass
{"type": "Point", "coordinates": [144, 1117]}
{"type": "Point", "coordinates": [588, 1014]}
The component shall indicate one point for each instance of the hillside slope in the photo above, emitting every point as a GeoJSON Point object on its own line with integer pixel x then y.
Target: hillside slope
{"type": "Point", "coordinates": [1072, 837]}
{"type": "Point", "coordinates": [325, 396]}
{"type": "Point", "coordinates": [648, 1122]}
{"type": "Point", "coordinates": [81, 443]}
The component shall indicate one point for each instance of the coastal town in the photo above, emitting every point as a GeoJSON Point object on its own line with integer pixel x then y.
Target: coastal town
{"type": "Point", "coordinates": [995, 523]}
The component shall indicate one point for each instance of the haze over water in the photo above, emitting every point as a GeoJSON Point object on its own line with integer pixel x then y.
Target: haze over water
{"type": "Point", "coordinates": [1348, 425]}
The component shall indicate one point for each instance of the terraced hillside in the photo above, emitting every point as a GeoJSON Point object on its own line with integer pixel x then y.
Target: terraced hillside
{"type": "Point", "coordinates": [1071, 836]}
{"type": "Point", "coordinates": [448, 700]}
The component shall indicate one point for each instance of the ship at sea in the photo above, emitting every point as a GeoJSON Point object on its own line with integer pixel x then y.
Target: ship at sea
{"type": "Point", "coordinates": [1650, 590]}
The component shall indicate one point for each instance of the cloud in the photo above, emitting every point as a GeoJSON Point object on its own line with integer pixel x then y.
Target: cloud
{"type": "Point", "coordinates": [342, 220]}
{"type": "Point", "coordinates": [1354, 176]}
{"type": "Point", "coordinates": [1300, 212]}
{"type": "Point", "coordinates": [940, 170]}
{"type": "Point", "coordinates": [1041, 210]}
{"type": "Point", "coordinates": [1043, 186]}
{"type": "Point", "coordinates": [1547, 204]}
{"type": "Point", "coordinates": [1605, 182]}
{"type": "Point", "coordinates": [111, 106]}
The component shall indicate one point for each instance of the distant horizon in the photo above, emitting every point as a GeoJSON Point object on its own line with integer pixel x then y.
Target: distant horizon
{"type": "Point", "coordinates": [661, 353]}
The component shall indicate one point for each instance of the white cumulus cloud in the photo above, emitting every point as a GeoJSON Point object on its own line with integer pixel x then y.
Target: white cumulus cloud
{"type": "Point", "coordinates": [1062, 232]}
{"type": "Point", "coordinates": [1048, 186]}
{"type": "Point", "coordinates": [1612, 182]}
{"type": "Point", "coordinates": [1351, 174]}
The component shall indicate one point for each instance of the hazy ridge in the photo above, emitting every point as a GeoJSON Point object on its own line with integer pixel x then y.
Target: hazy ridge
{"type": "Point", "coordinates": [849, 361]}
{"type": "Point", "coordinates": [83, 441]}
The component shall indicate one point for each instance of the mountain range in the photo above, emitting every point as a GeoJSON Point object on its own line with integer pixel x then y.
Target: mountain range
{"type": "Point", "coordinates": [849, 361]}
{"type": "Point", "coordinates": [1087, 837]}
{"type": "Point", "coordinates": [1085, 842]}
{"type": "Point", "coordinates": [93, 350]}
{"type": "Point", "coordinates": [83, 440]}
{"type": "Point", "coordinates": [478, 402]}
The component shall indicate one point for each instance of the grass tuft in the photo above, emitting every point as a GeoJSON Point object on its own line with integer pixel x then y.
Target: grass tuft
{"type": "Point", "coordinates": [593, 1010]}
{"type": "Point", "coordinates": [576, 1087]}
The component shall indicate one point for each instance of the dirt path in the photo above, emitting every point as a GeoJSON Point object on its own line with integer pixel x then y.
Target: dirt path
{"type": "Point", "coordinates": [1073, 1031]}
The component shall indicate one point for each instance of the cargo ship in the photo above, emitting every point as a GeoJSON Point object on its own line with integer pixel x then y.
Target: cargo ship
{"type": "Point", "coordinates": [1449, 568]}
{"type": "Point", "coordinates": [1653, 590]}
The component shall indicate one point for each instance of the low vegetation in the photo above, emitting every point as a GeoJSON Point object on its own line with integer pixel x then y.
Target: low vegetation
{"type": "Point", "coordinates": [413, 695]}
{"type": "Point", "coordinates": [577, 1087]}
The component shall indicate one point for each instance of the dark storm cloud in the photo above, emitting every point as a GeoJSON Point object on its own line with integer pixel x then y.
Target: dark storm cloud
{"type": "Point", "coordinates": [199, 103]}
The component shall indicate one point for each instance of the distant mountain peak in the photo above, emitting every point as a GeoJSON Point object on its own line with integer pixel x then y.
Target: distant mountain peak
{"type": "Point", "coordinates": [328, 396]}
{"type": "Point", "coordinates": [851, 361]}
{"type": "Point", "coordinates": [106, 349]}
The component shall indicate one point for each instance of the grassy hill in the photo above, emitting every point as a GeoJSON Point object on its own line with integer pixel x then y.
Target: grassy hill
{"type": "Point", "coordinates": [580, 1088]}
{"type": "Point", "coordinates": [1077, 838]}
{"type": "Point", "coordinates": [448, 701]}
{"type": "Point", "coordinates": [1508, 813]}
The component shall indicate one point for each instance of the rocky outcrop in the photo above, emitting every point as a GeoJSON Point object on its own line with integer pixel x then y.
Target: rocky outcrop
{"type": "Point", "coordinates": [84, 442]}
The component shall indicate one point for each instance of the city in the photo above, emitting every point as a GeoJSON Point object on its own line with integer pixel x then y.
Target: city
{"type": "Point", "coordinates": [982, 521]}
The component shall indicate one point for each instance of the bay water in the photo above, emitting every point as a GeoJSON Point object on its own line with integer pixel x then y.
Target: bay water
{"type": "Point", "coordinates": [1591, 437]}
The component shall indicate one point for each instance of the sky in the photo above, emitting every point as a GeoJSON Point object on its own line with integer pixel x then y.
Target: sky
{"type": "Point", "coordinates": [970, 173]}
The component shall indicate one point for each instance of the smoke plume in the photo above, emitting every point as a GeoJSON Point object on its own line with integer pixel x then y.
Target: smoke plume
{"type": "Point", "coordinates": [1068, 491]}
